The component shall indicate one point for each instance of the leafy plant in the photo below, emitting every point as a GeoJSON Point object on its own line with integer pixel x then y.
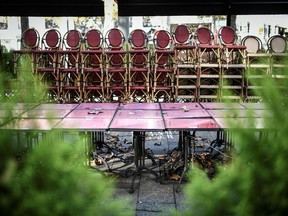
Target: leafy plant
{"type": "Point", "coordinates": [51, 178]}
{"type": "Point", "coordinates": [255, 183]}
{"type": "Point", "coordinates": [6, 61]}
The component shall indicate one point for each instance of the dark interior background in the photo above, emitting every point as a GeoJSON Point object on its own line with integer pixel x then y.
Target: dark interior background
{"type": "Point", "coordinates": [143, 7]}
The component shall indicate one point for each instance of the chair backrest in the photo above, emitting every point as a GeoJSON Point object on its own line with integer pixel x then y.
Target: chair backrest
{"type": "Point", "coordinates": [253, 43]}
{"type": "Point", "coordinates": [277, 44]}
{"type": "Point", "coordinates": [204, 35]}
{"type": "Point", "coordinates": [93, 39]}
{"type": "Point", "coordinates": [227, 35]}
{"type": "Point", "coordinates": [51, 40]}
{"type": "Point", "coordinates": [114, 39]}
{"type": "Point", "coordinates": [162, 40]}
{"type": "Point", "coordinates": [138, 39]}
{"type": "Point", "coordinates": [30, 39]}
{"type": "Point", "coordinates": [72, 40]}
{"type": "Point", "coordinates": [182, 35]}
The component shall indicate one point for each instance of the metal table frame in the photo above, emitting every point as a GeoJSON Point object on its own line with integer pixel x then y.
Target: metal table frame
{"type": "Point", "coordinates": [139, 118]}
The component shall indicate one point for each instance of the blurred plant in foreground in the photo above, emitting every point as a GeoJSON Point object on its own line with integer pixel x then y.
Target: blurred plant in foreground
{"type": "Point", "coordinates": [51, 178]}
{"type": "Point", "coordinates": [255, 183]}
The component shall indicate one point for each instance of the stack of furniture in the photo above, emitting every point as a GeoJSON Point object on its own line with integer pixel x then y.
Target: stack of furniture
{"type": "Point", "coordinates": [182, 66]}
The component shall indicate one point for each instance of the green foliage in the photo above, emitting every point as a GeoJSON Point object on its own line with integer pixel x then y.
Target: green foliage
{"type": "Point", "coordinates": [26, 86]}
{"type": "Point", "coordinates": [255, 183]}
{"type": "Point", "coordinates": [6, 69]}
{"type": "Point", "coordinates": [6, 61]}
{"type": "Point", "coordinates": [55, 181]}
{"type": "Point", "coordinates": [52, 178]}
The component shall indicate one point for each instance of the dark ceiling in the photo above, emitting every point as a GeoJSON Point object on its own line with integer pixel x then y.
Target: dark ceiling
{"type": "Point", "coordinates": [143, 7]}
{"type": "Point", "coordinates": [52, 8]}
{"type": "Point", "coordinates": [201, 7]}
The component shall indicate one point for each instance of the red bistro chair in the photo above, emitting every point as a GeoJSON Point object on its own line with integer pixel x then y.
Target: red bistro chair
{"type": "Point", "coordinates": [92, 67]}
{"type": "Point", "coordinates": [207, 50]}
{"type": "Point", "coordinates": [186, 63]}
{"type": "Point", "coordinates": [69, 67]}
{"type": "Point", "coordinates": [233, 63]}
{"type": "Point", "coordinates": [208, 55]}
{"type": "Point", "coordinates": [46, 67]}
{"type": "Point", "coordinates": [30, 40]}
{"type": "Point", "coordinates": [232, 53]}
{"type": "Point", "coordinates": [139, 66]}
{"type": "Point", "coordinates": [185, 51]}
{"type": "Point", "coordinates": [116, 66]}
{"type": "Point", "coordinates": [163, 67]}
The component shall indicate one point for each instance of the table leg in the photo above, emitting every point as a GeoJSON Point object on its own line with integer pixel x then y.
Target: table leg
{"type": "Point", "coordinates": [139, 158]}
{"type": "Point", "coordinates": [185, 150]}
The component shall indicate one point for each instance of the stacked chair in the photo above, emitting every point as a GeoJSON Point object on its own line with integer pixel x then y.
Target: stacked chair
{"type": "Point", "coordinates": [116, 66]}
{"type": "Point", "coordinates": [277, 48]}
{"type": "Point", "coordinates": [257, 67]}
{"type": "Point", "coordinates": [261, 64]}
{"type": "Point", "coordinates": [185, 51]}
{"type": "Point", "coordinates": [187, 79]}
{"type": "Point", "coordinates": [163, 68]}
{"type": "Point", "coordinates": [92, 67]}
{"type": "Point", "coordinates": [139, 67]}
{"type": "Point", "coordinates": [208, 65]}
{"type": "Point", "coordinates": [30, 40]}
{"type": "Point", "coordinates": [180, 66]}
{"type": "Point", "coordinates": [47, 64]}
{"type": "Point", "coordinates": [69, 67]}
{"type": "Point", "coordinates": [233, 60]}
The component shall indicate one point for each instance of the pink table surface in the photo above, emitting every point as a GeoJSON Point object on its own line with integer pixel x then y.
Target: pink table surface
{"type": "Point", "coordinates": [56, 106]}
{"type": "Point", "coordinates": [244, 123]}
{"type": "Point", "coordinates": [234, 113]}
{"type": "Point", "coordinates": [124, 124]}
{"type": "Point", "coordinates": [48, 113]}
{"type": "Point", "coordinates": [221, 105]}
{"type": "Point", "coordinates": [140, 106]}
{"type": "Point", "coordinates": [97, 106]}
{"type": "Point", "coordinates": [191, 123]}
{"type": "Point", "coordinates": [91, 113]}
{"type": "Point", "coordinates": [17, 106]}
{"type": "Point", "coordinates": [30, 124]}
{"type": "Point", "coordinates": [83, 124]}
{"type": "Point", "coordinates": [194, 113]}
{"type": "Point", "coordinates": [260, 106]}
{"type": "Point", "coordinates": [265, 113]}
{"type": "Point", "coordinates": [180, 106]}
{"type": "Point", "coordinates": [11, 113]}
{"type": "Point", "coordinates": [146, 114]}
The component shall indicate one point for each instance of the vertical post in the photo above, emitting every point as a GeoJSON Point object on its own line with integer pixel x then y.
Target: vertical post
{"type": "Point", "coordinates": [110, 14]}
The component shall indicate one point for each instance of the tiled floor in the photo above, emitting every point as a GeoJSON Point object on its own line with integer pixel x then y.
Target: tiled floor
{"type": "Point", "coordinates": [151, 195]}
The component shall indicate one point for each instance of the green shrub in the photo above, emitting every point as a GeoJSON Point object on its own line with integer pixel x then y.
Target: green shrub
{"type": "Point", "coordinates": [6, 61]}
{"type": "Point", "coordinates": [51, 178]}
{"type": "Point", "coordinates": [54, 181]}
{"type": "Point", "coordinates": [255, 183]}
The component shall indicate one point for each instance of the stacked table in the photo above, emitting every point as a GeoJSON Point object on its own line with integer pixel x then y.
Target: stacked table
{"type": "Point", "coordinates": [96, 118]}
{"type": "Point", "coordinates": [132, 116]}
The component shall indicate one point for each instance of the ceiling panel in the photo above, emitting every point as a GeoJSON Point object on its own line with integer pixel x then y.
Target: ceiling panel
{"type": "Point", "coordinates": [52, 8]}
{"type": "Point", "coordinates": [143, 7]}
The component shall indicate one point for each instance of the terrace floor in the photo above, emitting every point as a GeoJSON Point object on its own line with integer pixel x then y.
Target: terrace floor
{"type": "Point", "coordinates": [151, 196]}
